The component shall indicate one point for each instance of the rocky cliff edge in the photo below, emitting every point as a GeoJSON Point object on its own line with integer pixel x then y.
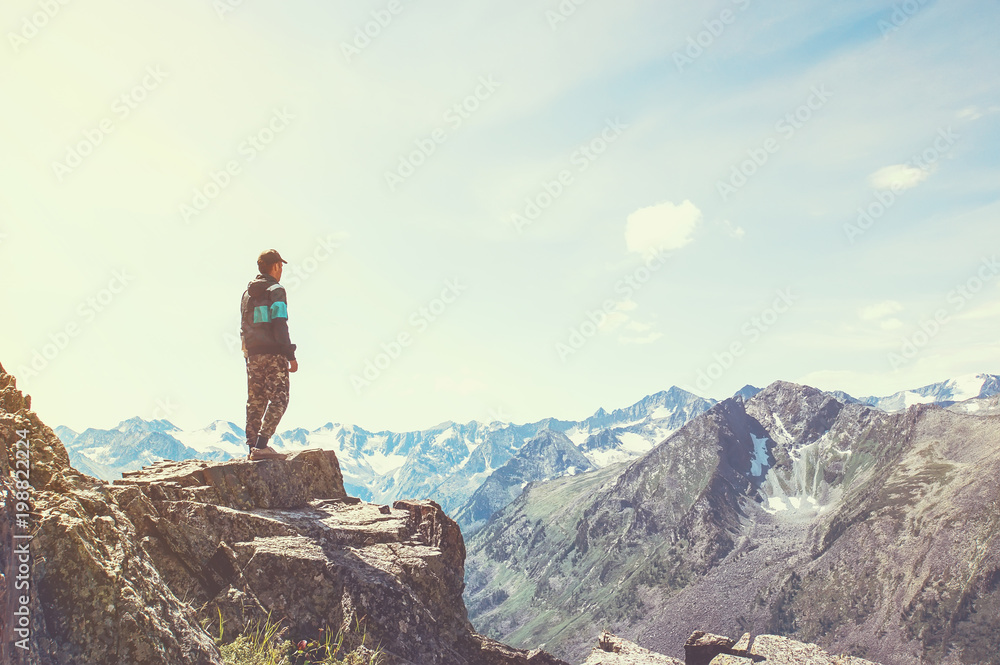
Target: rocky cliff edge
{"type": "Point", "coordinates": [132, 571]}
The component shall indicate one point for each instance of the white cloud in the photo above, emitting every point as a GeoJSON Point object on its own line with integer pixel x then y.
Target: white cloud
{"type": "Point", "coordinates": [986, 311]}
{"type": "Point", "coordinates": [734, 231]}
{"type": "Point", "coordinates": [613, 321]}
{"type": "Point", "coordinates": [970, 113]}
{"type": "Point", "coordinates": [663, 226]}
{"type": "Point", "coordinates": [879, 310]}
{"type": "Point", "coordinates": [898, 176]}
{"type": "Point", "coordinates": [891, 324]}
{"type": "Point", "coordinates": [619, 318]}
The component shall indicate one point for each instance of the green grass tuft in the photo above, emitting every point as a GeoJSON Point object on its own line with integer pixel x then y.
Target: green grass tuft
{"type": "Point", "coordinates": [263, 645]}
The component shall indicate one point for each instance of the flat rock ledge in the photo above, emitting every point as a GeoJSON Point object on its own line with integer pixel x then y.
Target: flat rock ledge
{"type": "Point", "coordinates": [708, 649]}
{"type": "Point", "coordinates": [247, 539]}
{"type": "Point", "coordinates": [613, 650]}
{"type": "Point", "coordinates": [242, 484]}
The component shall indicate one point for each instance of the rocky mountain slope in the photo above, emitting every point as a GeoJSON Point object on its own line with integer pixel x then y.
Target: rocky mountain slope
{"type": "Point", "coordinates": [548, 455]}
{"type": "Point", "coordinates": [129, 572]}
{"type": "Point", "coordinates": [790, 513]}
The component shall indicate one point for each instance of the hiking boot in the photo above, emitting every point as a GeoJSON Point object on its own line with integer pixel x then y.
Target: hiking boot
{"type": "Point", "coordinates": [267, 452]}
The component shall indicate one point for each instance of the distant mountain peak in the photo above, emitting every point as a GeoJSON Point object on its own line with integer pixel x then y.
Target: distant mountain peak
{"type": "Point", "coordinates": [223, 426]}
{"type": "Point", "coordinates": [747, 391]}
{"type": "Point", "coordinates": [971, 386]}
{"type": "Point", "coordinates": [785, 386]}
{"type": "Point", "coordinates": [138, 423]}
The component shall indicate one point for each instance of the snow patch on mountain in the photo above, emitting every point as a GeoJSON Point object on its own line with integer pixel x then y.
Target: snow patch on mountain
{"type": "Point", "coordinates": [220, 436]}
{"type": "Point", "coordinates": [803, 489]}
{"type": "Point", "coordinates": [778, 504]}
{"type": "Point", "coordinates": [384, 464]}
{"type": "Point", "coordinates": [970, 386]}
{"type": "Point", "coordinates": [603, 458]}
{"type": "Point", "coordinates": [759, 461]}
{"type": "Point", "coordinates": [635, 443]}
{"type": "Point", "coordinates": [99, 454]}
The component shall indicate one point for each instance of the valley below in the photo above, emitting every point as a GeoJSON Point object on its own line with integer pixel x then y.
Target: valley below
{"type": "Point", "coordinates": [866, 532]}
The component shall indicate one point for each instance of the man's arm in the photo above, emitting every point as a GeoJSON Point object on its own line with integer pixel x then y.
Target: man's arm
{"type": "Point", "coordinates": [244, 318]}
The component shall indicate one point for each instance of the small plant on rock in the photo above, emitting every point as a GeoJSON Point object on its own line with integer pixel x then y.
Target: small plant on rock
{"type": "Point", "coordinates": [263, 645]}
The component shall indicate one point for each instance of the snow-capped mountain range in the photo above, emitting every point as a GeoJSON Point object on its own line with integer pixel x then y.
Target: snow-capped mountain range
{"type": "Point", "coordinates": [447, 462]}
{"type": "Point", "coordinates": [451, 461]}
{"type": "Point", "coordinates": [946, 393]}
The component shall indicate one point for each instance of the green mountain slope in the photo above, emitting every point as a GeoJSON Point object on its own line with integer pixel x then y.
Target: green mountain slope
{"type": "Point", "coordinates": [791, 513]}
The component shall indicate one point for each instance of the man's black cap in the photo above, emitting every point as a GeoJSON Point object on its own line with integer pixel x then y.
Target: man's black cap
{"type": "Point", "coordinates": [269, 257]}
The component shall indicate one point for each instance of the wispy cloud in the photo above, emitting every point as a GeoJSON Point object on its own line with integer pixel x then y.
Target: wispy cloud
{"type": "Point", "coordinates": [897, 176]}
{"type": "Point", "coordinates": [879, 310]}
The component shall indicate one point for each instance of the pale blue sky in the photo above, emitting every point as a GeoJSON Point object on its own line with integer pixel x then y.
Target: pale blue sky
{"type": "Point", "coordinates": [884, 81]}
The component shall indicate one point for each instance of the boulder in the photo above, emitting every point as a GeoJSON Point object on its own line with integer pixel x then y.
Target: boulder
{"type": "Point", "coordinates": [94, 594]}
{"type": "Point", "coordinates": [719, 650]}
{"type": "Point", "coordinates": [702, 647]}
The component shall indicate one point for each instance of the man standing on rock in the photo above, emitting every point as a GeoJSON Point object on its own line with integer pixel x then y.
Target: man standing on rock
{"type": "Point", "coordinates": [269, 353]}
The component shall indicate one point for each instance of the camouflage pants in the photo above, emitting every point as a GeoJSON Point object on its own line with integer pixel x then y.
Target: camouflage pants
{"type": "Point", "coordinates": [267, 394]}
